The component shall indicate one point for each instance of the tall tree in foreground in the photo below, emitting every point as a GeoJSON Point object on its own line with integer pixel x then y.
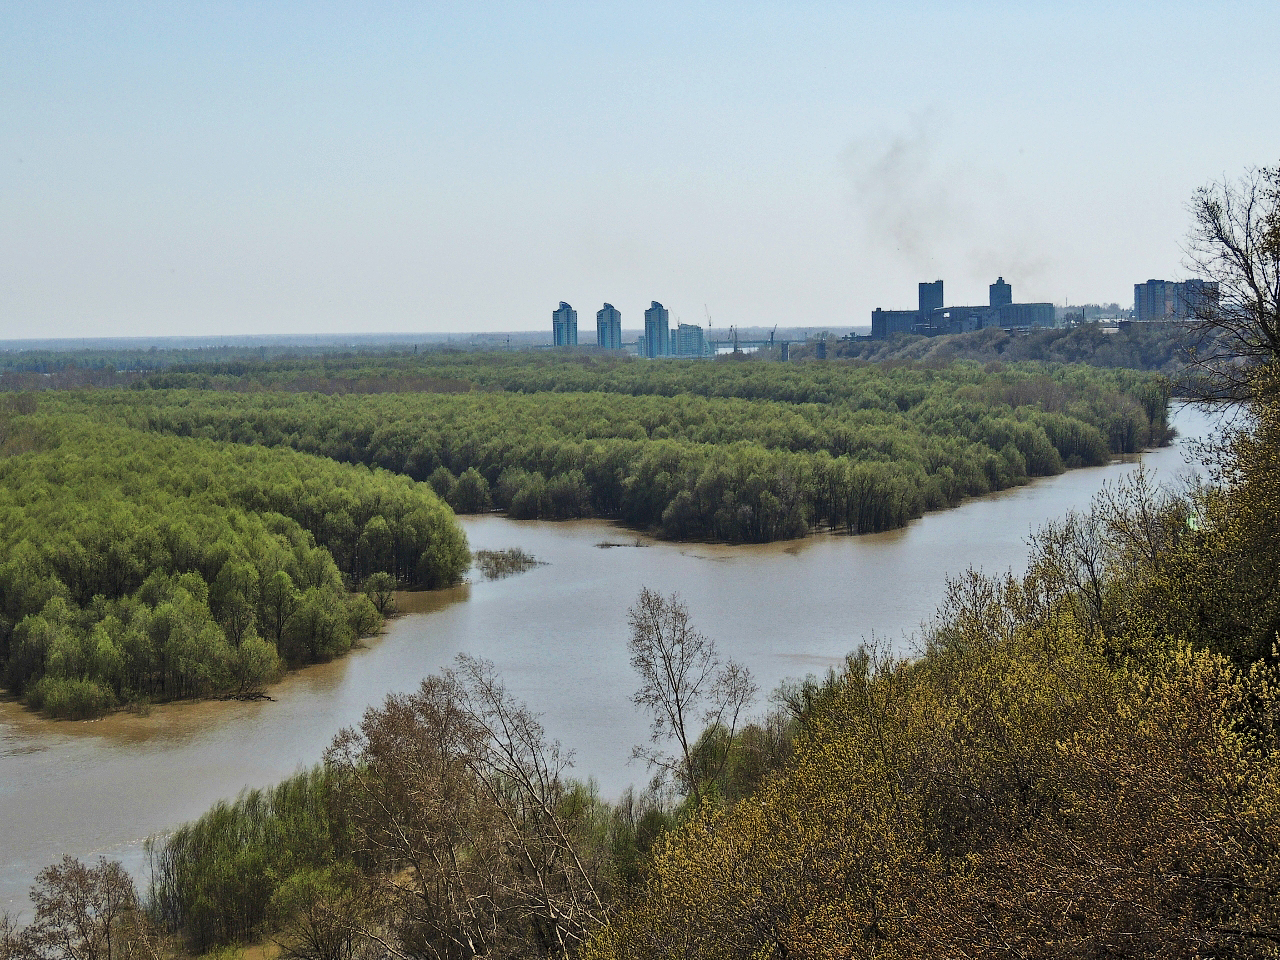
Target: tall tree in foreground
{"type": "Point", "coordinates": [84, 913]}
{"type": "Point", "coordinates": [460, 814]}
{"type": "Point", "coordinates": [1235, 243]}
{"type": "Point", "coordinates": [685, 687]}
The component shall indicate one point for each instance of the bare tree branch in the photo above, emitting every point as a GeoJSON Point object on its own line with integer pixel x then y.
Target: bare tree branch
{"type": "Point", "coordinates": [1235, 243]}
{"type": "Point", "coordinates": [682, 676]}
{"type": "Point", "coordinates": [460, 798]}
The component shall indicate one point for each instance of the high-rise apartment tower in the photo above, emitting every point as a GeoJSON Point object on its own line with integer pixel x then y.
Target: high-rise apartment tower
{"type": "Point", "coordinates": [690, 340]}
{"type": "Point", "coordinates": [564, 326]}
{"type": "Point", "coordinates": [609, 327]}
{"type": "Point", "coordinates": [1167, 300]}
{"type": "Point", "coordinates": [657, 331]}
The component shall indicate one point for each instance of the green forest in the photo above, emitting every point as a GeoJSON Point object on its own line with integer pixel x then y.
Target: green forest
{"type": "Point", "coordinates": [730, 451]}
{"type": "Point", "coordinates": [140, 567]}
{"type": "Point", "coordinates": [1082, 761]}
{"type": "Point", "coordinates": [197, 533]}
{"type": "Point", "coordinates": [1159, 347]}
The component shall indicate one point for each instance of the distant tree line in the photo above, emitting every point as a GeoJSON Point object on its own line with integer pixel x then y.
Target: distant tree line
{"type": "Point", "coordinates": [335, 368]}
{"type": "Point", "coordinates": [750, 376]}
{"type": "Point", "coordinates": [1165, 348]}
{"type": "Point", "coordinates": [695, 451]}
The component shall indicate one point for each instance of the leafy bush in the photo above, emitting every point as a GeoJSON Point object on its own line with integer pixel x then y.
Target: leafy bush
{"type": "Point", "coordinates": [70, 699]}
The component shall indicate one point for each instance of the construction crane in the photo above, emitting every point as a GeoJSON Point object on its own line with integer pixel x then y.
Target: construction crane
{"type": "Point", "coordinates": [707, 310]}
{"type": "Point", "coordinates": [771, 333]}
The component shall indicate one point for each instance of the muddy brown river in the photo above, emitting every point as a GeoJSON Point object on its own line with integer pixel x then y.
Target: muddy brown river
{"type": "Point", "coordinates": [557, 634]}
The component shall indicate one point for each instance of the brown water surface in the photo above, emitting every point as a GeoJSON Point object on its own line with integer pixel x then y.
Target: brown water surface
{"type": "Point", "coordinates": [558, 636]}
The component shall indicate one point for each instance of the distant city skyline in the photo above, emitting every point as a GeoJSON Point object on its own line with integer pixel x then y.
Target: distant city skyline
{"type": "Point", "coordinates": [200, 169]}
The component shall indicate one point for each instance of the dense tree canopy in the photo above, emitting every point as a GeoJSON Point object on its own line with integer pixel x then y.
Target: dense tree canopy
{"type": "Point", "coordinates": [135, 565]}
{"type": "Point", "coordinates": [1160, 347]}
{"type": "Point", "coordinates": [164, 542]}
{"type": "Point", "coordinates": [696, 450]}
{"type": "Point", "coordinates": [1007, 796]}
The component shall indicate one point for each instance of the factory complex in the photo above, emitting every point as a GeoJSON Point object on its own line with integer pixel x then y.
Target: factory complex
{"type": "Point", "coordinates": [933, 317]}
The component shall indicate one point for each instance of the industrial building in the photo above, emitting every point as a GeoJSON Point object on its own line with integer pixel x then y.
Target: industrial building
{"type": "Point", "coordinates": [1169, 300]}
{"type": "Point", "coordinates": [930, 297]}
{"type": "Point", "coordinates": [609, 327]}
{"type": "Point", "coordinates": [564, 326]}
{"type": "Point", "coordinates": [887, 323]}
{"type": "Point", "coordinates": [1000, 294]}
{"type": "Point", "coordinates": [931, 317]}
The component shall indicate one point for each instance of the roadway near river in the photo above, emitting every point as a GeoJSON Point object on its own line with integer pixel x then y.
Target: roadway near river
{"type": "Point", "coordinates": [557, 634]}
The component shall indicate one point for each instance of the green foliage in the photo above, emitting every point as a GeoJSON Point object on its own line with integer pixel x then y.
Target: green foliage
{"type": "Point", "coordinates": [698, 450]}
{"type": "Point", "coordinates": [215, 880]}
{"type": "Point", "coordinates": [443, 483]}
{"type": "Point", "coordinates": [1007, 795]}
{"type": "Point", "coordinates": [178, 557]}
{"type": "Point", "coordinates": [471, 493]}
{"type": "Point", "coordinates": [638, 824]}
{"type": "Point", "coordinates": [1159, 347]}
{"type": "Point", "coordinates": [142, 566]}
{"type": "Point", "coordinates": [70, 698]}
{"type": "Point", "coordinates": [1073, 766]}
{"type": "Point", "coordinates": [319, 914]}
{"type": "Point", "coordinates": [380, 589]}
{"type": "Point", "coordinates": [1213, 583]}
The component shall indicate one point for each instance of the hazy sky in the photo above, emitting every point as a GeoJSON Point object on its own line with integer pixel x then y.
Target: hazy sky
{"type": "Point", "coordinates": [187, 168]}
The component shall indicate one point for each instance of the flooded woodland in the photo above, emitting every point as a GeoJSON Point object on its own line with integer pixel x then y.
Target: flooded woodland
{"type": "Point", "coordinates": [556, 633]}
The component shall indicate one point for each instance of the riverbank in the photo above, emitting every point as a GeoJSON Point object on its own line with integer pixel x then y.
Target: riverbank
{"type": "Point", "coordinates": [558, 636]}
{"type": "Point", "coordinates": [130, 722]}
